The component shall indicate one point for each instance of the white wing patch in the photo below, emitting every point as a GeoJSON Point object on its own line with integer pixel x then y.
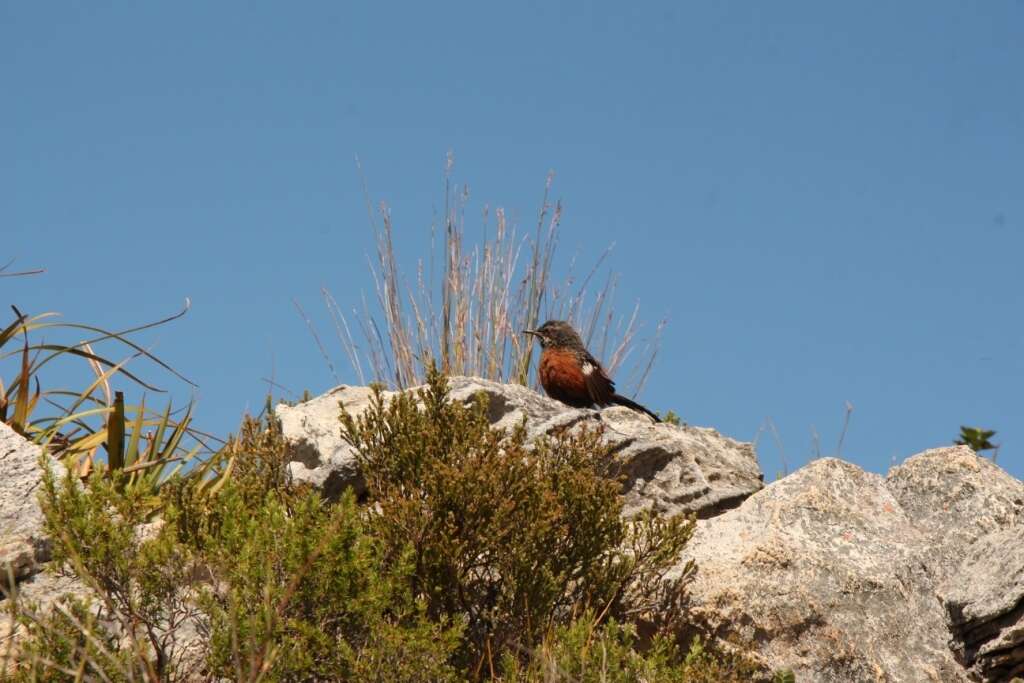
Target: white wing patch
{"type": "Point", "coordinates": [588, 368]}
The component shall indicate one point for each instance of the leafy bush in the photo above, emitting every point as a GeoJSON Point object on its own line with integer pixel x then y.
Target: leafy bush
{"type": "Point", "coordinates": [513, 537]}
{"type": "Point", "coordinates": [246, 584]}
{"type": "Point", "coordinates": [304, 596]}
{"type": "Point", "coordinates": [672, 418]}
{"type": "Point", "coordinates": [142, 579]}
{"type": "Point", "coordinates": [70, 643]}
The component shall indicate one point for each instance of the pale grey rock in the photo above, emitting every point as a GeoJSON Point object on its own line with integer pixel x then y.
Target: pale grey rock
{"type": "Point", "coordinates": [672, 469]}
{"type": "Point", "coordinates": [985, 605]}
{"type": "Point", "coordinates": [22, 542]}
{"type": "Point", "coordinates": [971, 514]}
{"type": "Point", "coordinates": [40, 594]}
{"type": "Point", "coordinates": [821, 572]}
{"type": "Point", "coordinates": [17, 558]}
{"type": "Point", "coordinates": [319, 456]}
{"type": "Point", "coordinates": [954, 497]}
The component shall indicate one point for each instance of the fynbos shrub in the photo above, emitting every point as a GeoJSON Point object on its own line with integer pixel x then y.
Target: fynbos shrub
{"type": "Point", "coordinates": [513, 537]}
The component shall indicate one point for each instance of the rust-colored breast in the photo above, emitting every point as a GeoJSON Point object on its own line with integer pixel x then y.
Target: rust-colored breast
{"type": "Point", "coordinates": [562, 378]}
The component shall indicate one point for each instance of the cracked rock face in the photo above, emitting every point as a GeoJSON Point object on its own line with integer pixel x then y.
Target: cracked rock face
{"type": "Point", "coordinates": [954, 498]}
{"type": "Point", "coordinates": [842, 575]}
{"type": "Point", "coordinates": [985, 606]}
{"type": "Point", "coordinates": [669, 468]}
{"type": "Point", "coordinates": [821, 573]}
{"type": "Point", "coordinates": [22, 544]}
{"type": "Point", "coordinates": [971, 514]}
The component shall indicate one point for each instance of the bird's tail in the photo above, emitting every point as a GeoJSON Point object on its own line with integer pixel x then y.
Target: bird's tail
{"type": "Point", "coordinates": [623, 401]}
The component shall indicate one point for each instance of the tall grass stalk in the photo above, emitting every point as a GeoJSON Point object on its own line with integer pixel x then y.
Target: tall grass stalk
{"type": "Point", "coordinates": [468, 317]}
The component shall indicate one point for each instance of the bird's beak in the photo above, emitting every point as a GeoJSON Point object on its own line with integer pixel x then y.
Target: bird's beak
{"type": "Point", "coordinates": [535, 333]}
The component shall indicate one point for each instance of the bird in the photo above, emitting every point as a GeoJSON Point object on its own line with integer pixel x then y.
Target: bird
{"type": "Point", "coordinates": [570, 374]}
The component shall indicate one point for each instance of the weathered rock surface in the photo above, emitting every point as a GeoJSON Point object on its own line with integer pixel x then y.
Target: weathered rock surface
{"type": "Point", "coordinates": [22, 542]}
{"type": "Point", "coordinates": [672, 469]}
{"type": "Point", "coordinates": [821, 573]}
{"type": "Point", "coordinates": [954, 498]}
{"type": "Point", "coordinates": [985, 605]}
{"type": "Point", "coordinates": [971, 514]}
{"type": "Point", "coordinates": [23, 546]}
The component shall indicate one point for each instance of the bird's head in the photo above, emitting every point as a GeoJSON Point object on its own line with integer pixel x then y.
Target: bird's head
{"type": "Point", "coordinates": [556, 334]}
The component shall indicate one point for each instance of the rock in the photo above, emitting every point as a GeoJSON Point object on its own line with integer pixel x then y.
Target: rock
{"type": "Point", "coordinates": [22, 542]}
{"type": "Point", "coordinates": [669, 468]}
{"type": "Point", "coordinates": [38, 592]}
{"type": "Point", "coordinates": [17, 558]}
{"type": "Point", "coordinates": [319, 455]}
{"type": "Point", "coordinates": [971, 514]}
{"type": "Point", "coordinates": [23, 545]}
{"type": "Point", "coordinates": [985, 606]}
{"type": "Point", "coordinates": [821, 573]}
{"type": "Point", "coordinates": [954, 497]}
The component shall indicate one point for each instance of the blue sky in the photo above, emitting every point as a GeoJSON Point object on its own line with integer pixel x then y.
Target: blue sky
{"type": "Point", "coordinates": [825, 200]}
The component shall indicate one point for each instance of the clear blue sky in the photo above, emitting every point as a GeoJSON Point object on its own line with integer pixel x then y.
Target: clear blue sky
{"type": "Point", "coordinates": [825, 199]}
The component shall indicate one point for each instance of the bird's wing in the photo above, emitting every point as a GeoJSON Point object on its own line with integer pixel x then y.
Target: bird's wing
{"type": "Point", "coordinates": [599, 385]}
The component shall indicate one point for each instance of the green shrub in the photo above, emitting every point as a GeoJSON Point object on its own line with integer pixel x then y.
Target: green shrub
{"type": "Point", "coordinates": [584, 652]}
{"type": "Point", "coordinates": [68, 643]}
{"type": "Point", "coordinates": [513, 537]}
{"type": "Point", "coordinates": [304, 595]}
{"type": "Point", "coordinates": [283, 591]}
{"type": "Point", "coordinates": [672, 418]}
{"type": "Point", "coordinates": [140, 577]}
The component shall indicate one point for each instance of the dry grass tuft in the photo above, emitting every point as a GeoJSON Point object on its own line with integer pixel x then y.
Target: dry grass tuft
{"type": "Point", "coordinates": [468, 317]}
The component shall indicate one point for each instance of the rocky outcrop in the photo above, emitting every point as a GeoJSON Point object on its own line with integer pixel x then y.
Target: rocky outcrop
{"type": "Point", "coordinates": [841, 575]}
{"type": "Point", "coordinates": [971, 515]}
{"type": "Point", "coordinates": [821, 573]}
{"type": "Point", "coordinates": [984, 602]}
{"type": "Point", "coordinates": [953, 497]}
{"type": "Point", "coordinates": [669, 468]}
{"type": "Point", "coordinates": [833, 572]}
{"type": "Point", "coordinates": [22, 543]}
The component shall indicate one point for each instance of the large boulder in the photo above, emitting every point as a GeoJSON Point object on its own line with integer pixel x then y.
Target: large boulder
{"type": "Point", "coordinates": [669, 468]}
{"type": "Point", "coordinates": [821, 573]}
{"type": "Point", "coordinates": [841, 575]}
{"type": "Point", "coordinates": [971, 515]}
{"type": "Point", "coordinates": [953, 497]}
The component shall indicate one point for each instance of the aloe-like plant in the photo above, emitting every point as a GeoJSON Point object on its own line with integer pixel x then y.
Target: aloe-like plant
{"type": "Point", "coordinates": [18, 403]}
{"type": "Point", "coordinates": [92, 428]}
{"type": "Point", "coordinates": [978, 439]}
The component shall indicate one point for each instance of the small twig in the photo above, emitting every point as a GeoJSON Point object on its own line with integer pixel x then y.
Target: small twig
{"type": "Point", "coordinates": [316, 338]}
{"type": "Point", "coordinates": [846, 423]}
